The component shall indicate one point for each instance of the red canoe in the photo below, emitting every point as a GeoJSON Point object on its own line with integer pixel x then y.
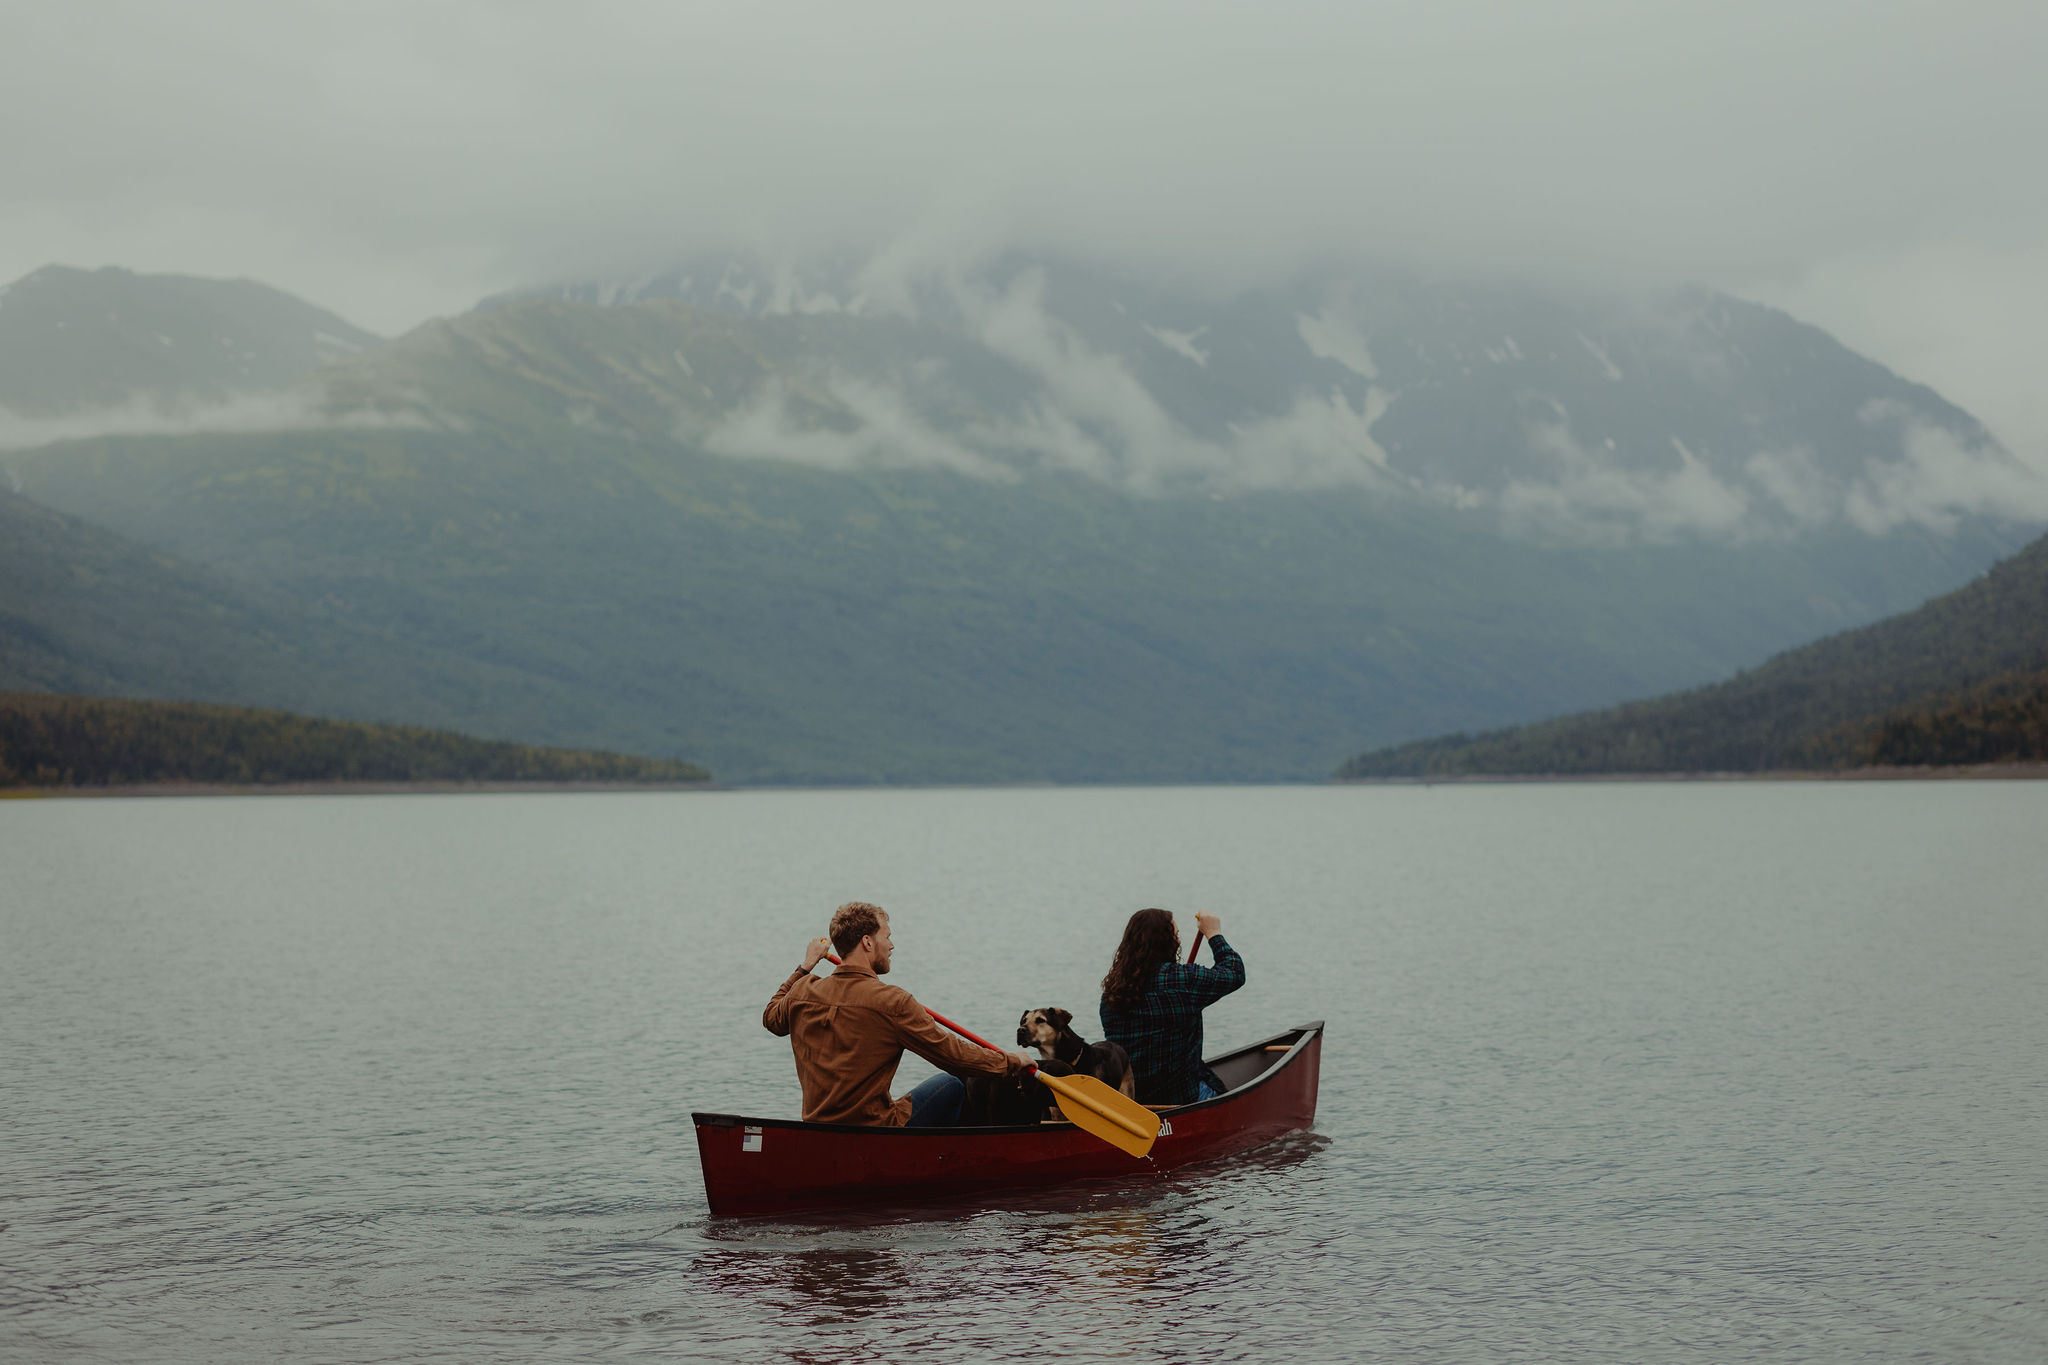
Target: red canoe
{"type": "Point", "coordinates": [756, 1166]}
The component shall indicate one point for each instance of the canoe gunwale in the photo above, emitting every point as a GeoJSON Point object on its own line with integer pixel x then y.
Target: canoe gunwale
{"type": "Point", "coordinates": [759, 1167]}
{"type": "Point", "coordinates": [1298, 1039]}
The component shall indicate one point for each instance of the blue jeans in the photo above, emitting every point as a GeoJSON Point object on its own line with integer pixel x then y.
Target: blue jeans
{"type": "Point", "coordinates": [936, 1103]}
{"type": "Point", "coordinates": [1206, 1091]}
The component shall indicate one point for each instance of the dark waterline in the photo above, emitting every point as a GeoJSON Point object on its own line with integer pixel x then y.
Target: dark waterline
{"type": "Point", "coordinates": [1639, 1072]}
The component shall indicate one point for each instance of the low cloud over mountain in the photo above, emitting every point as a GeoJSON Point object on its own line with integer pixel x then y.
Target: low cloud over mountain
{"type": "Point", "coordinates": [1023, 520]}
{"type": "Point", "coordinates": [1588, 417]}
{"type": "Point", "coordinates": [1585, 417]}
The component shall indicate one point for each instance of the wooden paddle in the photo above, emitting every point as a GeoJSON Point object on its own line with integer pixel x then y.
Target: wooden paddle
{"type": "Point", "coordinates": [1085, 1102]}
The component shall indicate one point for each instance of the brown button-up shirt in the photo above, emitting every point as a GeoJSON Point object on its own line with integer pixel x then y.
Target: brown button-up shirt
{"type": "Point", "coordinates": [848, 1032]}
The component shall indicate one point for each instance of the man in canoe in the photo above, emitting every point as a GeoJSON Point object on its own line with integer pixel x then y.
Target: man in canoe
{"type": "Point", "coordinates": [1152, 1005]}
{"type": "Point", "coordinates": [848, 1031]}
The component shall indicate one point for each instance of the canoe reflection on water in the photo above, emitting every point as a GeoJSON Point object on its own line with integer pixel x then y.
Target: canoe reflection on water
{"type": "Point", "coordinates": [755, 1166]}
{"type": "Point", "coordinates": [822, 1286]}
{"type": "Point", "coordinates": [904, 1271]}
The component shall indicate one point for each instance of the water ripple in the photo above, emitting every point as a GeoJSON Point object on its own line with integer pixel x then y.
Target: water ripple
{"type": "Point", "coordinates": [1742, 1074]}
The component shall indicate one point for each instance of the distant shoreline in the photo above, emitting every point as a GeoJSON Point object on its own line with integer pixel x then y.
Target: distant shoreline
{"type": "Point", "coordinates": [1974, 772]}
{"type": "Point", "coordinates": [1965, 772]}
{"type": "Point", "coordinates": [343, 788]}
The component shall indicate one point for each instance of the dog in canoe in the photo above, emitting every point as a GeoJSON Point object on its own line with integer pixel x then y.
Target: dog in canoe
{"type": "Point", "coordinates": [1051, 1031]}
{"type": "Point", "coordinates": [994, 1101]}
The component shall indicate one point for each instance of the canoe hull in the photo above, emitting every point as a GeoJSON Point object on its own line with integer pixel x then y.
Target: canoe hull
{"type": "Point", "coordinates": [758, 1166]}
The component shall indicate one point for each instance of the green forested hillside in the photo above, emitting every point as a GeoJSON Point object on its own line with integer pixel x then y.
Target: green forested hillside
{"type": "Point", "coordinates": [779, 623]}
{"type": "Point", "coordinates": [1958, 677]}
{"type": "Point", "coordinates": [84, 610]}
{"type": "Point", "coordinates": [65, 741]}
{"type": "Point", "coordinates": [2003, 720]}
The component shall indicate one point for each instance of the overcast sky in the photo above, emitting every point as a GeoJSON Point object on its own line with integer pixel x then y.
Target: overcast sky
{"type": "Point", "coordinates": [1874, 167]}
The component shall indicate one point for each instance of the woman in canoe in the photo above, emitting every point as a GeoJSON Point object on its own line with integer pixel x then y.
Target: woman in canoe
{"type": "Point", "coordinates": [1152, 1005]}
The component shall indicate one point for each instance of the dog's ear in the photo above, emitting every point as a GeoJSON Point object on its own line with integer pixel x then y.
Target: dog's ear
{"type": "Point", "coordinates": [1060, 1019]}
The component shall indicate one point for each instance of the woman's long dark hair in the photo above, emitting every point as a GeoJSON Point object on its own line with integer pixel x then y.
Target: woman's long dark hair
{"type": "Point", "coordinates": [1150, 940]}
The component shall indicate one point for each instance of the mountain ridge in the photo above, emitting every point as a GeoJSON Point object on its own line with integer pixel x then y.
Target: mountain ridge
{"type": "Point", "coordinates": [1039, 533]}
{"type": "Point", "coordinates": [84, 609]}
{"type": "Point", "coordinates": [77, 341]}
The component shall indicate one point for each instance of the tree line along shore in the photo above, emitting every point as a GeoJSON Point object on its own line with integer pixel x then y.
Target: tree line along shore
{"type": "Point", "coordinates": [1959, 681]}
{"type": "Point", "coordinates": [50, 740]}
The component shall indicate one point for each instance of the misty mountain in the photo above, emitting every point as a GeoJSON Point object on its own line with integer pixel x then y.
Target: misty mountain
{"type": "Point", "coordinates": [1961, 679]}
{"type": "Point", "coordinates": [1043, 523]}
{"type": "Point", "coordinates": [128, 348]}
{"type": "Point", "coordinates": [1556, 416]}
{"type": "Point", "coordinates": [85, 610]}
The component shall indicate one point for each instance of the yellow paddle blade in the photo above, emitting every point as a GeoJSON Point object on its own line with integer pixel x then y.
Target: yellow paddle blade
{"type": "Point", "coordinates": [1109, 1114]}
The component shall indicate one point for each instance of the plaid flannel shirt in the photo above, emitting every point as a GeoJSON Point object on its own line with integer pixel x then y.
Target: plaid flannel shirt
{"type": "Point", "coordinates": [1163, 1032]}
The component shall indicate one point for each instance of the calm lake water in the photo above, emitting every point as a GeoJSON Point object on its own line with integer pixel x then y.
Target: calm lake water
{"type": "Point", "coordinates": [1628, 1073]}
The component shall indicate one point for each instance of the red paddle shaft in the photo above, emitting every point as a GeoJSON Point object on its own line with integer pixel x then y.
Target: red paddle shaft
{"type": "Point", "coordinates": [833, 958]}
{"type": "Point", "coordinates": [1196, 949]}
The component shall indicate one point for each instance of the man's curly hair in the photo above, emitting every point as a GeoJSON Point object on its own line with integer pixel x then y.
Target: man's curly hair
{"type": "Point", "coordinates": [852, 922]}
